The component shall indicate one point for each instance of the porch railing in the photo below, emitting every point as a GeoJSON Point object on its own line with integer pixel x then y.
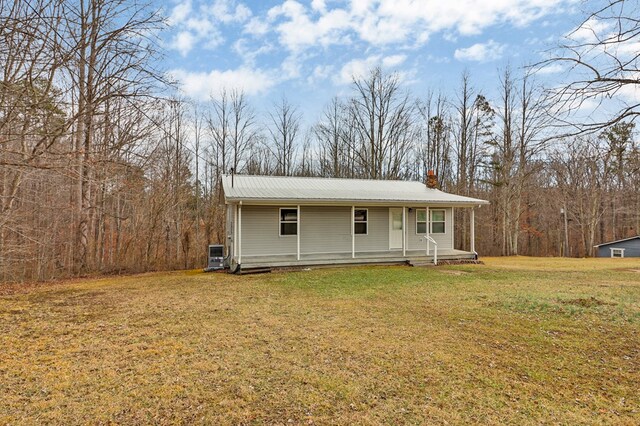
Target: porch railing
{"type": "Point", "coordinates": [435, 248]}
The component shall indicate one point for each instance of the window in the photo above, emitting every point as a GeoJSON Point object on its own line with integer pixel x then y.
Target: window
{"type": "Point", "coordinates": [437, 221]}
{"type": "Point", "coordinates": [288, 222]}
{"type": "Point", "coordinates": [617, 252]}
{"type": "Point", "coordinates": [421, 221]}
{"type": "Point", "coordinates": [360, 221]}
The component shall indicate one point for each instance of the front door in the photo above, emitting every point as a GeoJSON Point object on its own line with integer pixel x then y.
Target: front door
{"type": "Point", "coordinates": [395, 228]}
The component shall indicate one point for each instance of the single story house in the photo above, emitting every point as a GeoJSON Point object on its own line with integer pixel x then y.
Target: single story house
{"type": "Point", "coordinates": [275, 221]}
{"type": "Point", "coordinates": [627, 247]}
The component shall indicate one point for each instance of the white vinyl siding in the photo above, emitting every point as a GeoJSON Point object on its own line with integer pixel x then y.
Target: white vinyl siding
{"type": "Point", "coordinates": [261, 232]}
{"type": "Point", "coordinates": [325, 229]}
{"type": "Point", "coordinates": [377, 238]}
{"type": "Point", "coordinates": [445, 241]}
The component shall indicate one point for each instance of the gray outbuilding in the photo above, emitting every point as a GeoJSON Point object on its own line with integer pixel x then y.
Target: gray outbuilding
{"type": "Point", "coordinates": [627, 247]}
{"type": "Point", "coordinates": [298, 221]}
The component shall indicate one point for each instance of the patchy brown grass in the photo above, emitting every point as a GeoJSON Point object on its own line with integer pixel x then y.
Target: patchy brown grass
{"type": "Point", "coordinates": [518, 340]}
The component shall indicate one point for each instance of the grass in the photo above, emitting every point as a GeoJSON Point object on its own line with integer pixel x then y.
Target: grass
{"type": "Point", "coordinates": [518, 340]}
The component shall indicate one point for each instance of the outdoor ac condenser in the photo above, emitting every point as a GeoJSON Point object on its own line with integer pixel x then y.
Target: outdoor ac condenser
{"type": "Point", "coordinates": [216, 258]}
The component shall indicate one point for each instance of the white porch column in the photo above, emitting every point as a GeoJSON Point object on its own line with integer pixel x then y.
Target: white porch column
{"type": "Point", "coordinates": [298, 233]}
{"type": "Point", "coordinates": [235, 230]}
{"type": "Point", "coordinates": [404, 232]}
{"type": "Point", "coordinates": [473, 230]}
{"type": "Point", "coordinates": [353, 233]}
{"type": "Point", "coordinates": [240, 233]}
{"type": "Point", "coordinates": [428, 228]}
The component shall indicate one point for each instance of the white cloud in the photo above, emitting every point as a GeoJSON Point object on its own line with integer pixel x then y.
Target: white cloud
{"type": "Point", "coordinates": [319, 5]}
{"type": "Point", "coordinates": [229, 11]}
{"type": "Point", "coordinates": [590, 31]}
{"type": "Point", "coordinates": [298, 31]}
{"type": "Point", "coordinates": [201, 85]}
{"type": "Point", "coordinates": [553, 68]}
{"type": "Point", "coordinates": [630, 93]}
{"type": "Point", "coordinates": [201, 24]}
{"type": "Point", "coordinates": [248, 52]}
{"type": "Point", "coordinates": [320, 73]}
{"type": "Point", "coordinates": [180, 12]}
{"type": "Point", "coordinates": [291, 66]}
{"type": "Point", "coordinates": [183, 42]}
{"type": "Point", "coordinates": [393, 60]}
{"type": "Point", "coordinates": [256, 27]}
{"type": "Point", "coordinates": [361, 67]}
{"type": "Point", "coordinates": [356, 68]}
{"type": "Point", "coordinates": [386, 22]}
{"type": "Point", "coordinates": [480, 52]}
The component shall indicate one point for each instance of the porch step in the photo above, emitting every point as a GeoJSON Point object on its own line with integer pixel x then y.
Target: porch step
{"type": "Point", "coordinates": [423, 262]}
{"type": "Point", "coordinates": [460, 262]}
{"type": "Point", "coordinates": [420, 262]}
{"type": "Point", "coordinates": [249, 271]}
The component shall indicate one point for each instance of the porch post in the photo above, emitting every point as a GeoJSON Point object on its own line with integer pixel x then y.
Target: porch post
{"type": "Point", "coordinates": [473, 230]}
{"type": "Point", "coordinates": [404, 233]}
{"type": "Point", "coordinates": [240, 233]}
{"type": "Point", "coordinates": [298, 233]}
{"type": "Point", "coordinates": [428, 228]}
{"type": "Point", "coordinates": [235, 230]}
{"type": "Point", "coordinates": [353, 233]}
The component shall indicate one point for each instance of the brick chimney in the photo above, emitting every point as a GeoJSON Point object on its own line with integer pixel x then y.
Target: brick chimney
{"type": "Point", "coordinates": [432, 180]}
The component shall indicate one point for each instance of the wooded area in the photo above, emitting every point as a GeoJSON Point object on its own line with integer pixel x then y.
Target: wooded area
{"type": "Point", "coordinates": [103, 170]}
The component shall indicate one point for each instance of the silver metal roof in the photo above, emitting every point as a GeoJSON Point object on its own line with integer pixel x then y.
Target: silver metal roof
{"type": "Point", "coordinates": [617, 241]}
{"type": "Point", "coordinates": [281, 189]}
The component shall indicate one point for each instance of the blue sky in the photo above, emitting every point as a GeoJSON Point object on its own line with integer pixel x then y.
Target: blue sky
{"type": "Point", "coordinates": [308, 51]}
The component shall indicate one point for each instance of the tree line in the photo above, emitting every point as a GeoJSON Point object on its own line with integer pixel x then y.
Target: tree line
{"type": "Point", "coordinates": [102, 170]}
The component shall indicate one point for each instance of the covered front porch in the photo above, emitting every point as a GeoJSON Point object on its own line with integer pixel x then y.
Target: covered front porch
{"type": "Point", "coordinates": [362, 258]}
{"type": "Point", "coordinates": [328, 235]}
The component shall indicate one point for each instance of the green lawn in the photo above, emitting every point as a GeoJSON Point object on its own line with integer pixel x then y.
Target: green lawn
{"type": "Point", "coordinates": [518, 340]}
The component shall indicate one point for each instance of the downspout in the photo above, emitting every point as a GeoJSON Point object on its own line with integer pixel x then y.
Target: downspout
{"type": "Point", "coordinates": [240, 233]}
{"type": "Point", "coordinates": [404, 233]}
{"type": "Point", "coordinates": [298, 234]}
{"type": "Point", "coordinates": [473, 232]}
{"type": "Point", "coordinates": [353, 233]}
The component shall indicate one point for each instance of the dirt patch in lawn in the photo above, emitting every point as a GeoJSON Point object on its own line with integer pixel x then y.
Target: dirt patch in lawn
{"type": "Point", "coordinates": [454, 272]}
{"type": "Point", "coordinates": [586, 302]}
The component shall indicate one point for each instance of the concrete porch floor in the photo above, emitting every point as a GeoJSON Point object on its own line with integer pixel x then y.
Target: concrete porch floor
{"type": "Point", "coordinates": [363, 258]}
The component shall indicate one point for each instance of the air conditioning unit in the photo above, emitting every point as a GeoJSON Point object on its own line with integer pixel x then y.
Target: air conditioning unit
{"type": "Point", "coordinates": [216, 258]}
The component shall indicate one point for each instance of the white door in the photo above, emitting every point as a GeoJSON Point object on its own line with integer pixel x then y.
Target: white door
{"type": "Point", "coordinates": [395, 228]}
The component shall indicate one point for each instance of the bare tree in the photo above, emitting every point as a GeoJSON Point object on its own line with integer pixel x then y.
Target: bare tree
{"type": "Point", "coordinates": [384, 124]}
{"type": "Point", "coordinates": [522, 119]}
{"type": "Point", "coordinates": [331, 134]}
{"type": "Point", "coordinates": [434, 150]}
{"type": "Point", "coordinates": [284, 130]}
{"type": "Point", "coordinates": [603, 64]}
{"type": "Point", "coordinates": [471, 126]}
{"type": "Point", "coordinates": [112, 57]}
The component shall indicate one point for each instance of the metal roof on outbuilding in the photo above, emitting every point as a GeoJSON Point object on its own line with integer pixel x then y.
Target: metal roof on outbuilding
{"type": "Point", "coordinates": [617, 241]}
{"type": "Point", "coordinates": [285, 189]}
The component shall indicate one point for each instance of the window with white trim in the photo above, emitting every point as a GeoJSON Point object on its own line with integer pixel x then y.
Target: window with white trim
{"type": "Point", "coordinates": [421, 221]}
{"type": "Point", "coordinates": [360, 221]}
{"type": "Point", "coordinates": [288, 221]}
{"type": "Point", "coordinates": [617, 252]}
{"type": "Point", "coordinates": [437, 221]}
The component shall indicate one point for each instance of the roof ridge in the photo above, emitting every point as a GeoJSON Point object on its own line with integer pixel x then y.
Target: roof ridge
{"type": "Point", "coordinates": [326, 178]}
{"type": "Point", "coordinates": [617, 241]}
